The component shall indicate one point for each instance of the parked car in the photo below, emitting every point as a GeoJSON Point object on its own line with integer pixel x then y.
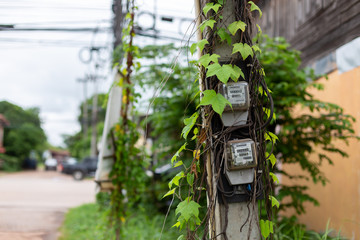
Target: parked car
{"type": "Point", "coordinates": [50, 164]}
{"type": "Point", "coordinates": [87, 167]}
{"type": "Point", "coordinates": [30, 164]}
{"type": "Point", "coordinates": [66, 164]}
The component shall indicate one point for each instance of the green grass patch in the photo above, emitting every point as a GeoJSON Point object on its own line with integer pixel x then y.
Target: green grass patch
{"type": "Point", "coordinates": [88, 222]}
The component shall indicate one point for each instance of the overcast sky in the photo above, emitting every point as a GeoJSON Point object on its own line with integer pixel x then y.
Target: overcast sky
{"type": "Point", "coordinates": [39, 69]}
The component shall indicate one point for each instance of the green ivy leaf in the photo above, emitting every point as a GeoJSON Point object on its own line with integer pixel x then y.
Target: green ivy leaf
{"type": "Point", "coordinates": [235, 26]}
{"type": "Point", "coordinates": [259, 28]}
{"type": "Point", "coordinates": [179, 163]}
{"type": "Point", "coordinates": [244, 49]}
{"type": "Point", "coordinates": [177, 154]}
{"type": "Point", "coordinates": [177, 224]}
{"type": "Point", "coordinates": [222, 33]}
{"type": "Point", "coordinates": [266, 228]}
{"type": "Point", "coordinates": [171, 192]}
{"type": "Point", "coordinates": [217, 101]}
{"type": "Point", "coordinates": [189, 124]}
{"type": "Point", "coordinates": [200, 44]}
{"type": "Point", "coordinates": [210, 6]}
{"type": "Point", "coordinates": [208, 23]}
{"type": "Point", "coordinates": [268, 112]}
{"type": "Point", "coordinates": [274, 201]}
{"type": "Point", "coordinates": [255, 7]}
{"type": "Point", "coordinates": [236, 73]}
{"type": "Point", "coordinates": [269, 136]}
{"type": "Point", "coordinates": [207, 58]}
{"type": "Point", "coordinates": [224, 72]}
{"type": "Point", "coordinates": [190, 179]}
{"type": "Point", "coordinates": [274, 177]}
{"type": "Point", "coordinates": [187, 209]}
{"type": "Point", "coordinates": [256, 48]}
{"type": "Point", "coordinates": [176, 179]}
{"type": "Point", "coordinates": [271, 158]}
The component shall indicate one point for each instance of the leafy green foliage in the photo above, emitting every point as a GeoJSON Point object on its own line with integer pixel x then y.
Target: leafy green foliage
{"type": "Point", "coordinates": [89, 222]}
{"type": "Point", "coordinates": [317, 124]}
{"type": "Point", "coordinates": [206, 59]}
{"type": "Point", "coordinates": [200, 44]}
{"type": "Point", "coordinates": [188, 212]}
{"type": "Point", "coordinates": [290, 228]}
{"type": "Point", "coordinates": [176, 102]}
{"type": "Point", "coordinates": [274, 201]}
{"type": "Point", "coordinates": [211, 6]}
{"type": "Point", "coordinates": [266, 227]}
{"type": "Point", "coordinates": [24, 133]}
{"type": "Point", "coordinates": [189, 124]}
{"type": "Point", "coordinates": [235, 26]}
{"type": "Point", "coordinates": [254, 7]}
{"type": "Point", "coordinates": [224, 35]}
{"type": "Point", "coordinates": [244, 49]}
{"type": "Point", "coordinates": [224, 72]}
{"type": "Point", "coordinates": [79, 146]}
{"type": "Point", "coordinates": [216, 100]}
{"type": "Point", "coordinates": [208, 23]}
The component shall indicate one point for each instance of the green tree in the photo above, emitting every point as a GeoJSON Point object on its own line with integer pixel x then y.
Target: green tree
{"type": "Point", "coordinates": [79, 146]}
{"type": "Point", "coordinates": [303, 132]}
{"type": "Point", "coordinates": [177, 99]}
{"type": "Point", "coordinates": [318, 124]}
{"type": "Point", "coordinates": [24, 133]}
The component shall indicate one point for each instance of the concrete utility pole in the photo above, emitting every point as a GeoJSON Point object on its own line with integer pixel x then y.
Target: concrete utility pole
{"type": "Point", "coordinates": [84, 119]}
{"type": "Point", "coordinates": [93, 151]}
{"type": "Point", "coordinates": [238, 219]}
{"type": "Point", "coordinates": [117, 21]}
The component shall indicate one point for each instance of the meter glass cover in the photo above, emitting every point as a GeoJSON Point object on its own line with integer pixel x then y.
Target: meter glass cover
{"type": "Point", "coordinates": [236, 93]}
{"type": "Point", "coordinates": [242, 153]}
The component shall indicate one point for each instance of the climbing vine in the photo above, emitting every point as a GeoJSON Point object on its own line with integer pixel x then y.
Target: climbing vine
{"type": "Point", "coordinates": [127, 173]}
{"type": "Point", "coordinates": [210, 135]}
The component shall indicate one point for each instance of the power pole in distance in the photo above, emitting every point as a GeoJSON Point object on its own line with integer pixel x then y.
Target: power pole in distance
{"type": "Point", "coordinates": [84, 119]}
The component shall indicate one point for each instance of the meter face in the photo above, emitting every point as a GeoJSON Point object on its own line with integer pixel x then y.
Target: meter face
{"type": "Point", "coordinates": [242, 153]}
{"type": "Point", "coordinates": [236, 93]}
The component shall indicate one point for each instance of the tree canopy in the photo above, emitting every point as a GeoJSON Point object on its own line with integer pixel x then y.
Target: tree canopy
{"type": "Point", "coordinates": [24, 133]}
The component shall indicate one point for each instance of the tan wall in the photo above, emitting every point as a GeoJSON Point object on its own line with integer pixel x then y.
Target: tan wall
{"type": "Point", "coordinates": [339, 199]}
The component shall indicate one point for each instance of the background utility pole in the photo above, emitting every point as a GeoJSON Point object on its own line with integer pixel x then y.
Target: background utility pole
{"type": "Point", "coordinates": [238, 220]}
{"type": "Point", "coordinates": [94, 112]}
{"type": "Point", "coordinates": [84, 119]}
{"type": "Point", "coordinates": [93, 151]}
{"type": "Point", "coordinates": [117, 21]}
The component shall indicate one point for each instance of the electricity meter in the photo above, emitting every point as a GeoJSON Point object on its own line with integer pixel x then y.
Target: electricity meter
{"type": "Point", "coordinates": [237, 93]}
{"type": "Point", "coordinates": [240, 154]}
{"type": "Point", "coordinates": [240, 161]}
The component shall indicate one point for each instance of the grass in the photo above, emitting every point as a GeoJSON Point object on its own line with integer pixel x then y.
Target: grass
{"type": "Point", "coordinates": [88, 222]}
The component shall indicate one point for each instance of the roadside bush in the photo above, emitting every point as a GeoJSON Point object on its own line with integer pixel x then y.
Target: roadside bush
{"type": "Point", "coordinates": [9, 163]}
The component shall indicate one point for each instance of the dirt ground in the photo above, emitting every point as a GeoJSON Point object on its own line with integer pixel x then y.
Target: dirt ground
{"type": "Point", "coordinates": [33, 203]}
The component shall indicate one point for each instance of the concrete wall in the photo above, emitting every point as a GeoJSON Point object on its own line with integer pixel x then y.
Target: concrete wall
{"type": "Point", "coordinates": [339, 199]}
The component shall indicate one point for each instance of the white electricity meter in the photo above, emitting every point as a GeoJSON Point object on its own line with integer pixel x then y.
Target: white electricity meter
{"type": "Point", "coordinates": [240, 161]}
{"type": "Point", "coordinates": [240, 154]}
{"type": "Point", "coordinates": [237, 93]}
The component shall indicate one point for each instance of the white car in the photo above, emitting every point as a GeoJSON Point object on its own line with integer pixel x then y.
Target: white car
{"type": "Point", "coordinates": [51, 164]}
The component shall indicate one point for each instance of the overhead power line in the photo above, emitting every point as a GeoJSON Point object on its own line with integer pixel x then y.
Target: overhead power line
{"type": "Point", "coordinates": [52, 29]}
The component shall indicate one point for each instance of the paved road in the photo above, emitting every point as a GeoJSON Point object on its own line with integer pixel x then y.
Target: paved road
{"type": "Point", "coordinates": [32, 204]}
